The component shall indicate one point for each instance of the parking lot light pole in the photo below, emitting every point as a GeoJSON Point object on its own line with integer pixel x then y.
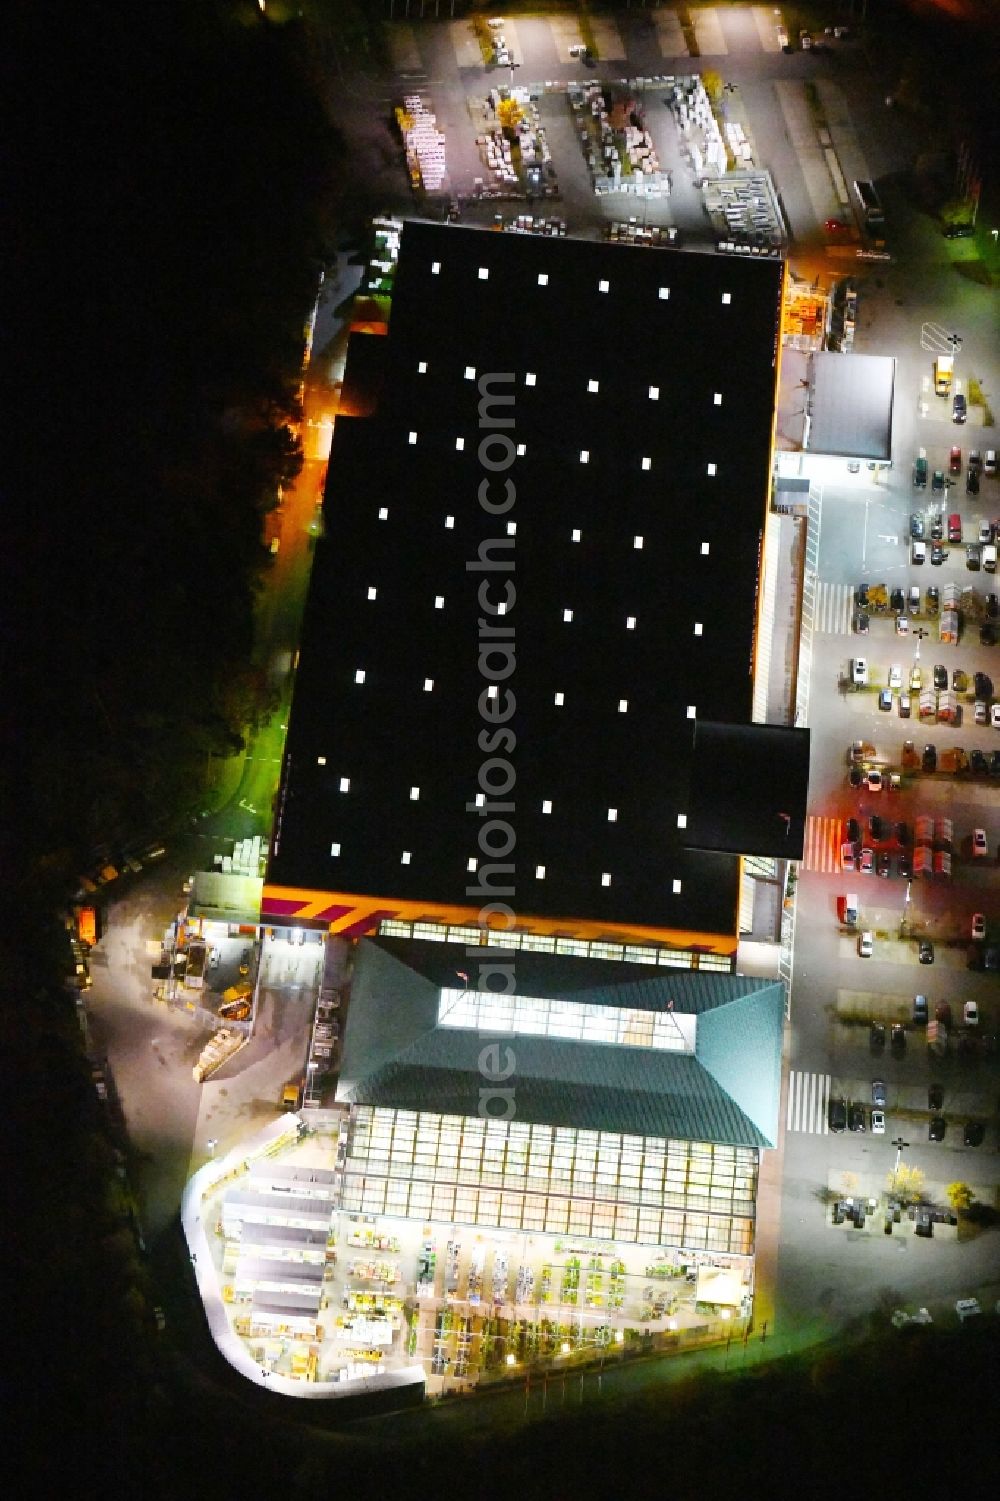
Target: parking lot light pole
{"type": "Point", "coordinates": [899, 1144]}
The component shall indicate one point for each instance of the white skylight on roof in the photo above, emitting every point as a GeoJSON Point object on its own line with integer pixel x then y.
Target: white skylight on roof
{"type": "Point", "coordinates": [717, 399]}
{"type": "Point", "coordinates": [484, 273]}
{"type": "Point", "coordinates": [435, 268]}
{"type": "Point", "coordinates": [320, 760]}
{"type": "Point", "coordinates": [637, 543]}
{"type": "Point", "coordinates": [383, 513]}
{"type": "Point", "coordinates": [727, 298]}
{"type": "Point", "coordinates": [584, 455]}
{"type": "Point", "coordinates": [664, 293]}
{"type": "Point", "coordinates": [560, 699]}
{"type": "Point", "coordinates": [682, 820]}
{"type": "Point", "coordinates": [705, 549]}
{"type": "Point", "coordinates": [603, 286]}
{"type": "Point", "coordinates": [480, 799]}
{"type": "Point", "coordinates": [501, 607]}
{"type": "Point", "coordinates": [335, 849]}
{"type": "Point", "coordinates": [470, 372]}
{"type": "Point", "coordinates": [345, 784]}
{"type": "Point", "coordinates": [692, 711]}
{"type": "Point", "coordinates": [492, 691]}
{"type": "Point", "coordinates": [605, 878]}
{"type": "Point", "coordinates": [675, 886]}
{"type": "Point", "coordinates": [539, 872]}
{"type": "Point", "coordinates": [449, 523]}
{"type": "Point", "coordinates": [471, 863]}
{"type": "Point", "coordinates": [711, 469]}
{"type": "Point", "coordinates": [593, 386]}
{"type": "Point", "coordinates": [576, 534]}
{"type": "Point", "coordinates": [630, 622]}
{"type": "Point", "coordinates": [414, 794]}
{"type": "Point", "coordinates": [460, 444]}
{"type": "Point", "coordinates": [543, 278]}
{"type": "Point", "coordinates": [612, 815]}
{"type": "Point", "coordinates": [372, 592]}
{"type": "Point", "coordinates": [654, 393]}
{"type": "Point", "coordinates": [547, 805]}
{"type": "Point", "coordinates": [359, 676]}
{"type": "Point", "coordinates": [647, 463]}
{"type": "Point", "coordinates": [623, 706]}
{"type": "Point", "coordinates": [522, 449]}
{"type": "Point", "coordinates": [428, 685]}
{"type": "Point", "coordinates": [422, 367]}
{"type": "Point", "coordinates": [529, 378]}
{"type": "Point", "coordinates": [412, 438]}
{"type": "Point", "coordinates": [698, 628]}
{"type": "Point", "coordinates": [439, 601]}
{"type": "Point", "coordinates": [567, 615]}
{"type": "Point", "coordinates": [405, 860]}
{"type": "Point", "coordinates": [512, 528]}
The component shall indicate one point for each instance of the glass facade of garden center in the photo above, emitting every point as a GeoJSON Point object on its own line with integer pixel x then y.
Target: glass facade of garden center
{"type": "Point", "coordinates": [549, 1179]}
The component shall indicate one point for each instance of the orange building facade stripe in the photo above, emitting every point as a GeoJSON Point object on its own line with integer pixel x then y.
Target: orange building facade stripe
{"type": "Point", "coordinates": [353, 915]}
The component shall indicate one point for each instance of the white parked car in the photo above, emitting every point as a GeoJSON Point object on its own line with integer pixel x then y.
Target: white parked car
{"type": "Point", "coordinates": [981, 713]}
{"type": "Point", "coordinates": [970, 1014]}
{"type": "Point", "coordinates": [978, 927]}
{"type": "Point", "coordinates": [967, 1308]}
{"type": "Point", "coordinates": [980, 844]}
{"type": "Point", "coordinates": [859, 671]}
{"type": "Point", "coordinates": [874, 780]}
{"type": "Point", "coordinates": [995, 716]}
{"type": "Point", "coordinates": [878, 1122]}
{"type": "Point", "coordinates": [895, 676]}
{"type": "Point", "coordinates": [866, 944]}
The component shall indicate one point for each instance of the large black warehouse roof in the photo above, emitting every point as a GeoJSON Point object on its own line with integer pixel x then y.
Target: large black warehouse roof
{"type": "Point", "coordinates": [639, 436]}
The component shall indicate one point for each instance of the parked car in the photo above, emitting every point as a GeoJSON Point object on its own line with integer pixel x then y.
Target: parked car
{"type": "Point", "coordinates": [876, 827]}
{"type": "Point", "coordinates": [866, 944]}
{"type": "Point", "coordinates": [973, 557]}
{"type": "Point", "coordinates": [884, 864]}
{"type": "Point", "coordinates": [876, 1037]}
{"type": "Point", "coordinates": [985, 533]}
{"type": "Point", "coordinates": [920, 1010]}
{"type": "Point", "coordinates": [925, 951]}
{"type": "Point", "coordinates": [897, 1040]}
{"type": "Point", "coordinates": [867, 862]}
{"type": "Point", "coordinates": [955, 460]}
{"type": "Point", "coordinates": [862, 624]}
{"type": "Point", "coordinates": [929, 758]}
{"type": "Point", "coordinates": [974, 1133]}
{"type": "Point", "coordinates": [936, 1129]}
{"type": "Point", "coordinates": [987, 634]}
{"type": "Point", "coordinates": [896, 675]}
{"type": "Point", "coordinates": [837, 1114]}
{"type": "Point", "coordinates": [904, 834]}
{"type": "Point", "coordinates": [937, 528]}
{"type": "Point", "coordinates": [975, 461]}
{"type": "Point", "coordinates": [859, 671]}
{"type": "Point", "coordinates": [917, 521]}
{"type": "Point", "coordinates": [970, 1014]}
{"type": "Point", "coordinates": [933, 598]}
{"type": "Point", "coordinates": [897, 599]}
{"type": "Point", "coordinates": [874, 780]}
{"type": "Point", "coordinates": [904, 706]}
{"type": "Point", "coordinates": [885, 700]}
{"type": "Point", "coordinates": [940, 676]}
{"type": "Point", "coordinates": [971, 482]}
{"type": "Point", "coordinates": [856, 1116]}
{"type": "Point", "coordinates": [959, 408]}
{"type": "Point", "coordinates": [938, 555]}
{"type": "Point", "coordinates": [878, 1092]}
{"type": "Point", "coordinates": [937, 483]}
{"type": "Point", "coordinates": [904, 865]}
{"type": "Point", "coordinates": [992, 606]}
{"type": "Point", "coordinates": [995, 716]}
{"type": "Point", "coordinates": [990, 461]}
{"type": "Point", "coordinates": [978, 764]}
{"type": "Point", "coordinates": [853, 830]}
{"type": "Point", "coordinates": [980, 844]}
{"type": "Point", "coordinates": [995, 763]}
{"type": "Point", "coordinates": [918, 553]}
{"type": "Point", "coordinates": [935, 1096]}
{"type": "Point", "coordinates": [954, 527]}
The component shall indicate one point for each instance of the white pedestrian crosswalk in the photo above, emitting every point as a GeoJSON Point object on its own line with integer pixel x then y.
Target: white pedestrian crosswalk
{"type": "Point", "coordinates": [833, 609]}
{"type": "Point", "coordinates": [824, 836]}
{"type": "Point", "coordinates": [808, 1101]}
